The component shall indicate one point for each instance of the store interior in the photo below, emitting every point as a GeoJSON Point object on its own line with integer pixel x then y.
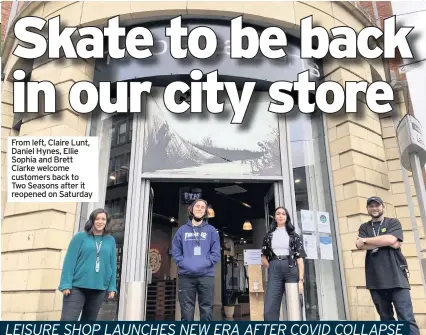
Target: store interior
{"type": "Point", "coordinates": [237, 211]}
{"type": "Point", "coordinates": [234, 203]}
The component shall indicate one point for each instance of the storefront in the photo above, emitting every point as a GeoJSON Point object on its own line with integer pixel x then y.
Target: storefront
{"type": "Point", "coordinates": [266, 148]}
{"type": "Point", "coordinates": [316, 166]}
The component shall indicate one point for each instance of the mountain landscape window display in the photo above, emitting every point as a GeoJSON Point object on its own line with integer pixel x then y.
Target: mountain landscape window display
{"type": "Point", "coordinates": [174, 146]}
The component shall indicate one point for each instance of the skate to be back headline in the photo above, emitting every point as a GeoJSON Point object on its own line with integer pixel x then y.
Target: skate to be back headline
{"type": "Point", "coordinates": [47, 39]}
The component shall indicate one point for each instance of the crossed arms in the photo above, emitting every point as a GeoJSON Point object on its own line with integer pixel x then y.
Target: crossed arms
{"type": "Point", "coordinates": [377, 242]}
{"type": "Point", "coordinates": [393, 237]}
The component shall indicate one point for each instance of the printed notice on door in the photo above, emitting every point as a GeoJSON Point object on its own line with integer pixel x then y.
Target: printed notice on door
{"type": "Point", "coordinates": [52, 169]}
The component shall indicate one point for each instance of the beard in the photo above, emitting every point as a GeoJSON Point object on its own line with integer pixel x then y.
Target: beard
{"type": "Point", "coordinates": [379, 214]}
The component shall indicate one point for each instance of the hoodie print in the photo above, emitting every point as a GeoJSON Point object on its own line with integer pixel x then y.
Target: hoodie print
{"type": "Point", "coordinates": [196, 250]}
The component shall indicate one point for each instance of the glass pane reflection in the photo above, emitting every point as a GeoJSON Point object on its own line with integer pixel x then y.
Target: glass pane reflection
{"type": "Point", "coordinates": [323, 286]}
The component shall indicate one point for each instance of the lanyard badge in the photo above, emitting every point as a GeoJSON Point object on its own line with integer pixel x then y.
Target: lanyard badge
{"type": "Point", "coordinates": [378, 230]}
{"type": "Point", "coordinates": [197, 239]}
{"type": "Point", "coordinates": [197, 248]}
{"type": "Point", "coordinates": [376, 234]}
{"type": "Point", "coordinates": [98, 250]}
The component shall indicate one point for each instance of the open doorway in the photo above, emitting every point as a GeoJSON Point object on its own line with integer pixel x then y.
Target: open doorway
{"type": "Point", "coordinates": [240, 215]}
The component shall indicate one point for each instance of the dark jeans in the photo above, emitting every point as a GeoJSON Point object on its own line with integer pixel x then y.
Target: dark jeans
{"type": "Point", "coordinates": [189, 287]}
{"type": "Point", "coordinates": [83, 300]}
{"type": "Point", "coordinates": [401, 299]}
{"type": "Point", "coordinates": [279, 273]}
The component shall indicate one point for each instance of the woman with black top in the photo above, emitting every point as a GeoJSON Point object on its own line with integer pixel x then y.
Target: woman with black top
{"type": "Point", "coordinates": [282, 254]}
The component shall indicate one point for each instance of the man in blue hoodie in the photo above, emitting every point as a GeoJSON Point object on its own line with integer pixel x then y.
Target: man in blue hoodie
{"type": "Point", "coordinates": [196, 250]}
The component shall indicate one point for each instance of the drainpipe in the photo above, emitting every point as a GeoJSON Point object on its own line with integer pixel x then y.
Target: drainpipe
{"type": "Point", "coordinates": [376, 14]}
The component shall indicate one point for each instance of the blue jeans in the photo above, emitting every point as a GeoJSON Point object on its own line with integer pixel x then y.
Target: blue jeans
{"type": "Point", "coordinates": [401, 300]}
{"type": "Point", "coordinates": [189, 287]}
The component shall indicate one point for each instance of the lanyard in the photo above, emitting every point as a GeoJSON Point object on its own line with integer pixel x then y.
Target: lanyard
{"type": "Point", "coordinates": [195, 235]}
{"type": "Point", "coordinates": [98, 250]}
{"type": "Point", "coordinates": [378, 230]}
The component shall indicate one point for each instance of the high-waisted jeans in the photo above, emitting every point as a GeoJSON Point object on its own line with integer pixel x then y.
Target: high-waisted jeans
{"type": "Point", "coordinates": [279, 273]}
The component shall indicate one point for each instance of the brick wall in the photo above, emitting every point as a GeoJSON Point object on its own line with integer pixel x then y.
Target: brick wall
{"type": "Point", "coordinates": [6, 7]}
{"type": "Point", "coordinates": [384, 10]}
{"type": "Point", "coordinates": [5, 10]}
{"type": "Point", "coordinates": [367, 6]}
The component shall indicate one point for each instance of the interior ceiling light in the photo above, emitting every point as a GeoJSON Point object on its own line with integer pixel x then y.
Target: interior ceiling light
{"type": "Point", "coordinates": [210, 212]}
{"type": "Point", "coordinates": [112, 177]}
{"type": "Point", "coordinates": [297, 181]}
{"type": "Point", "coordinates": [247, 225]}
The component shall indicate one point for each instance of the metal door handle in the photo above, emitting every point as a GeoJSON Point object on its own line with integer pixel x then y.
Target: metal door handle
{"type": "Point", "coordinates": [149, 276]}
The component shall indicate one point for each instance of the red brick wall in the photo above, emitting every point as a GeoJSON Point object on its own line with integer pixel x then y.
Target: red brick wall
{"type": "Point", "coordinates": [384, 10]}
{"type": "Point", "coordinates": [6, 7]}
{"type": "Point", "coordinates": [5, 10]}
{"type": "Point", "coordinates": [367, 6]}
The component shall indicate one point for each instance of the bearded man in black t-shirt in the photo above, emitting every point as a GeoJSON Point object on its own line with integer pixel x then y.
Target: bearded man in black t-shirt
{"type": "Point", "coordinates": [386, 269]}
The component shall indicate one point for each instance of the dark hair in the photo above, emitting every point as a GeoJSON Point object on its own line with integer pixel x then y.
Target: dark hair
{"type": "Point", "coordinates": [289, 227]}
{"type": "Point", "coordinates": [191, 207]}
{"type": "Point", "coordinates": [88, 227]}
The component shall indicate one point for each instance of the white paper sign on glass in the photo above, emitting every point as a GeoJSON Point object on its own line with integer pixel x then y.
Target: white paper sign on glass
{"type": "Point", "coordinates": [308, 222]}
{"type": "Point", "coordinates": [326, 247]}
{"type": "Point", "coordinates": [252, 257]}
{"type": "Point", "coordinates": [323, 221]}
{"type": "Point", "coordinates": [310, 246]}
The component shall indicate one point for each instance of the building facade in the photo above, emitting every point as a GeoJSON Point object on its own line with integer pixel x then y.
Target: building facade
{"type": "Point", "coordinates": [343, 159]}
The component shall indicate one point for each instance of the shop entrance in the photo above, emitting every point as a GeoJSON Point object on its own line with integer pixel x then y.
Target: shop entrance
{"type": "Point", "coordinates": [239, 212]}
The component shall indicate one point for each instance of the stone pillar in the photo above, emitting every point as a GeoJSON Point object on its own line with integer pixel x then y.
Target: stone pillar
{"type": "Point", "coordinates": [359, 171]}
{"type": "Point", "coordinates": [35, 236]}
{"type": "Point", "coordinates": [6, 131]}
{"type": "Point", "coordinates": [365, 162]}
{"type": "Point", "coordinates": [182, 219]}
